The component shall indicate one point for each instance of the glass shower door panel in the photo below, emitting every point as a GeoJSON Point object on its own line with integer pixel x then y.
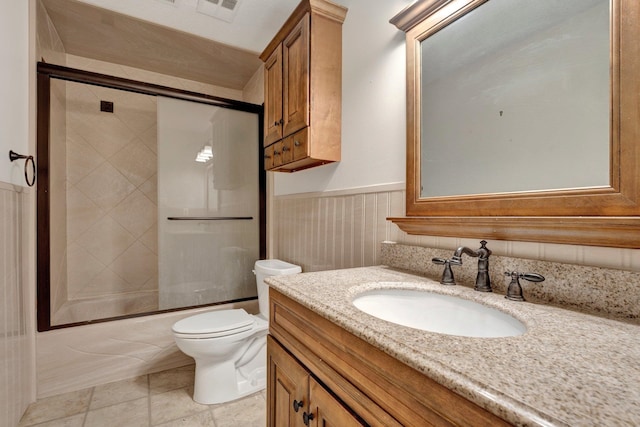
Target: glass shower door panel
{"type": "Point", "coordinates": [102, 212]}
{"type": "Point", "coordinates": [208, 209]}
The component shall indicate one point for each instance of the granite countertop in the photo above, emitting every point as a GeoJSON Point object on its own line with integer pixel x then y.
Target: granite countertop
{"type": "Point", "coordinates": [568, 369]}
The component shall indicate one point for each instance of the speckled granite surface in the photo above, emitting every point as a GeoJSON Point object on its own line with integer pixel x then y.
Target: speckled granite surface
{"type": "Point", "coordinates": [568, 369]}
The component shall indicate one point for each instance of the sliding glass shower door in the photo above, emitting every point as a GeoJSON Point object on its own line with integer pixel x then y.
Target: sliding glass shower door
{"type": "Point", "coordinates": [208, 203]}
{"type": "Point", "coordinates": [149, 198]}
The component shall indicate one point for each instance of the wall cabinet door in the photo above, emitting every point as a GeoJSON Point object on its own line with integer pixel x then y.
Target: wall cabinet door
{"type": "Point", "coordinates": [295, 74]}
{"type": "Point", "coordinates": [273, 97]}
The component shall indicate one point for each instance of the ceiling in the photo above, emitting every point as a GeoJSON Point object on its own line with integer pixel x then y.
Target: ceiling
{"type": "Point", "coordinates": [171, 38]}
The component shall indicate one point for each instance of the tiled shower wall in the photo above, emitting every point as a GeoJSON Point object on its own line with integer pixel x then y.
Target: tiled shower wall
{"type": "Point", "coordinates": [342, 229]}
{"type": "Point", "coordinates": [16, 340]}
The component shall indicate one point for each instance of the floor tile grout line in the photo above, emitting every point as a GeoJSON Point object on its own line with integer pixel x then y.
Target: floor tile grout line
{"type": "Point", "coordinates": [86, 413]}
{"type": "Point", "coordinates": [149, 398]}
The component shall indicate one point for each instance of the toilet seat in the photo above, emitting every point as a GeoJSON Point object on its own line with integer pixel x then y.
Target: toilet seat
{"type": "Point", "coordinates": [214, 324]}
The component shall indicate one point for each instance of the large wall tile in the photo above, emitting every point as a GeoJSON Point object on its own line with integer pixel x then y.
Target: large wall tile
{"type": "Point", "coordinates": [106, 240]}
{"type": "Point", "coordinates": [105, 186]}
{"type": "Point", "coordinates": [136, 162]}
{"type": "Point", "coordinates": [136, 213]}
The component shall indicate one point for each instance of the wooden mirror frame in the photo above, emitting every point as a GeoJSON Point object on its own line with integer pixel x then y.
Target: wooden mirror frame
{"type": "Point", "coordinates": [602, 216]}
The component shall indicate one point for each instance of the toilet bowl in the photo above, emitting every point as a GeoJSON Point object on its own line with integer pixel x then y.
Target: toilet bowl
{"type": "Point", "coordinates": [229, 346]}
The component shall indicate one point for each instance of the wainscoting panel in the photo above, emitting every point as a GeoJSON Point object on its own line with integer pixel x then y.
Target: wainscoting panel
{"type": "Point", "coordinates": [337, 229]}
{"type": "Point", "coordinates": [342, 229]}
{"type": "Point", "coordinates": [16, 369]}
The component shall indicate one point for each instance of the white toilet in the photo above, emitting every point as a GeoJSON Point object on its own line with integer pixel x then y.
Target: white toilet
{"type": "Point", "coordinates": [229, 346]}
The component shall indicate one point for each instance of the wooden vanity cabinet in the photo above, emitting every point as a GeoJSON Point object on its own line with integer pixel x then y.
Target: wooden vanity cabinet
{"type": "Point", "coordinates": [349, 381]}
{"type": "Point", "coordinates": [303, 86]}
{"type": "Point", "coordinates": [298, 399]}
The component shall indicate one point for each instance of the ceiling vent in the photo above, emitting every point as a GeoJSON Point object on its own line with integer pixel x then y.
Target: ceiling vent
{"type": "Point", "coordinates": [221, 9]}
{"type": "Point", "coordinates": [172, 2]}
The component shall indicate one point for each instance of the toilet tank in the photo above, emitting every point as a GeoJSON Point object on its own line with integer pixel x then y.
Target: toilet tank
{"type": "Point", "coordinates": [270, 267]}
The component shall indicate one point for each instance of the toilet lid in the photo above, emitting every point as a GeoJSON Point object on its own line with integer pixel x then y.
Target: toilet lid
{"type": "Point", "coordinates": [214, 322]}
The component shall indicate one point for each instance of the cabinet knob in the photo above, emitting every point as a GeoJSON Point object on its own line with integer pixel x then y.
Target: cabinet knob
{"type": "Point", "coordinates": [267, 156]}
{"type": "Point", "coordinates": [297, 404]}
{"type": "Point", "coordinates": [285, 149]}
{"type": "Point", "coordinates": [276, 153]}
{"type": "Point", "coordinates": [306, 418]}
{"type": "Point", "coordinates": [296, 143]}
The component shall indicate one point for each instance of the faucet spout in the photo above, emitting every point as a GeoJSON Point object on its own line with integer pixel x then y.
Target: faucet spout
{"type": "Point", "coordinates": [483, 281]}
{"type": "Point", "coordinates": [464, 250]}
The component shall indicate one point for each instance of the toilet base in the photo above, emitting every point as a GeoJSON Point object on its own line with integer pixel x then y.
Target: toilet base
{"type": "Point", "coordinates": [224, 382]}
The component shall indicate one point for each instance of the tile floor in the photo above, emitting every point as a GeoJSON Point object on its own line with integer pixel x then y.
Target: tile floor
{"type": "Point", "coordinates": [160, 399]}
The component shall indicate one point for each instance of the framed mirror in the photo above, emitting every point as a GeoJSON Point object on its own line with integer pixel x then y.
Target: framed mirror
{"type": "Point", "coordinates": [522, 120]}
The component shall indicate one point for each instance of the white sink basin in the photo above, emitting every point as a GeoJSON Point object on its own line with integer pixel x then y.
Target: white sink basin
{"type": "Point", "coordinates": [443, 314]}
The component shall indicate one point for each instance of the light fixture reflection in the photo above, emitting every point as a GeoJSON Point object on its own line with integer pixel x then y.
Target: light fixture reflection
{"type": "Point", "coordinates": [205, 154]}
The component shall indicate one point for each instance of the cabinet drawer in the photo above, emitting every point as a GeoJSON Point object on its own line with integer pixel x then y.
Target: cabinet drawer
{"type": "Point", "coordinates": [268, 157]}
{"type": "Point", "coordinates": [300, 144]}
{"type": "Point", "coordinates": [287, 150]}
{"type": "Point", "coordinates": [277, 154]}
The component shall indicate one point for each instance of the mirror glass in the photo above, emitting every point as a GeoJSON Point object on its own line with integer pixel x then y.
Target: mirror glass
{"type": "Point", "coordinates": [515, 97]}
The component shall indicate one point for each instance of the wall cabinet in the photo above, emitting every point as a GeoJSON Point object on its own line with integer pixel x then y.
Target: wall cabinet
{"type": "Point", "coordinates": [303, 88]}
{"type": "Point", "coordinates": [346, 381]}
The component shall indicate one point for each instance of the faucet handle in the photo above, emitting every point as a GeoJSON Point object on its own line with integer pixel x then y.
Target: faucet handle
{"type": "Point", "coordinates": [514, 291]}
{"type": "Point", "coordinates": [447, 274]}
{"type": "Point", "coordinates": [532, 277]}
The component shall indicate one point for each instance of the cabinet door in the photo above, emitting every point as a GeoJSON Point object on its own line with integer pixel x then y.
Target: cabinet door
{"type": "Point", "coordinates": [295, 70]}
{"type": "Point", "coordinates": [273, 97]}
{"type": "Point", "coordinates": [287, 388]}
{"type": "Point", "coordinates": [327, 411]}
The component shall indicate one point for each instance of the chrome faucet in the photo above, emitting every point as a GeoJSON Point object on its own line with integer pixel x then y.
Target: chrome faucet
{"type": "Point", "coordinates": [483, 281]}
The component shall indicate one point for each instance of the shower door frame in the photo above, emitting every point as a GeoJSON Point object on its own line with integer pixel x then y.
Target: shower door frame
{"type": "Point", "coordinates": [45, 72]}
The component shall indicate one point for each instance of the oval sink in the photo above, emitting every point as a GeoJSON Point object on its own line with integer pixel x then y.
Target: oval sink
{"type": "Point", "coordinates": [443, 314]}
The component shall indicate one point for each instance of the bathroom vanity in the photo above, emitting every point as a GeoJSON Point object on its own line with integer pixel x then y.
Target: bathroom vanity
{"type": "Point", "coordinates": [329, 361]}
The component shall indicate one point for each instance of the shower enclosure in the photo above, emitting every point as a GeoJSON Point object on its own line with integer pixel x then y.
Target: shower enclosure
{"type": "Point", "coordinates": [149, 198]}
